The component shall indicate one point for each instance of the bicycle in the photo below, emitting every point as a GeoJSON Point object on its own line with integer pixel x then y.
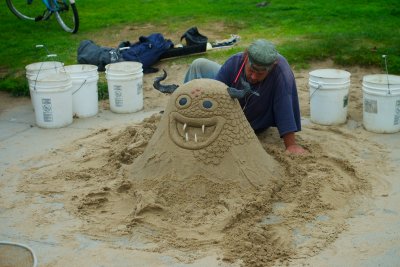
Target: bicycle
{"type": "Point", "coordinates": [65, 11]}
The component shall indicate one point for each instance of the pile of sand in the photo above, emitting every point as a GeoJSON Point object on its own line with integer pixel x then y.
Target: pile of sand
{"type": "Point", "coordinates": [302, 210]}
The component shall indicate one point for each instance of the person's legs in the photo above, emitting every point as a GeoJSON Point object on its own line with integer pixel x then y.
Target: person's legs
{"type": "Point", "coordinates": [202, 68]}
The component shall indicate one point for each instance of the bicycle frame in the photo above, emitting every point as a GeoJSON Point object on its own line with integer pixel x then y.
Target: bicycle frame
{"type": "Point", "coordinates": [47, 4]}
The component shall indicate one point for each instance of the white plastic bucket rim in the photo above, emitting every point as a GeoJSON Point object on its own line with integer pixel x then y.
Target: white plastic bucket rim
{"type": "Point", "coordinates": [329, 75]}
{"type": "Point", "coordinates": [81, 75]}
{"type": "Point", "coordinates": [121, 73]}
{"type": "Point", "coordinates": [55, 77]}
{"type": "Point", "coordinates": [39, 70]}
{"type": "Point", "coordinates": [382, 80]}
{"type": "Point", "coordinates": [381, 92]}
{"type": "Point", "coordinates": [124, 67]}
{"type": "Point", "coordinates": [80, 68]}
{"type": "Point", "coordinates": [322, 85]}
{"type": "Point", "coordinates": [43, 66]}
{"type": "Point", "coordinates": [381, 84]}
{"type": "Point", "coordinates": [49, 89]}
{"type": "Point", "coordinates": [46, 81]}
{"type": "Point", "coordinates": [49, 86]}
{"type": "Point", "coordinates": [87, 79]}
{"type": "Point", "coordinates": [123, 77]}
{"type": "Point", "coordinates": [23, 246]}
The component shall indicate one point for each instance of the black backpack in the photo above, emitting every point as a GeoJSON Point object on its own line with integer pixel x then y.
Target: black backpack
{"type": "Point", "coordinates": [193, 37]}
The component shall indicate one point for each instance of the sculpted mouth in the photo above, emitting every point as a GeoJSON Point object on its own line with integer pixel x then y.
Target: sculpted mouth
{"type": "Point", "coordinates": [194, 133]}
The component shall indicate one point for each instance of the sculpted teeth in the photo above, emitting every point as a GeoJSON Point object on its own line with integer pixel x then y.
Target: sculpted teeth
{"type": "Point", "coordinates": [187, 137]}
{"type": "Point", "coordinates": [195, 135]}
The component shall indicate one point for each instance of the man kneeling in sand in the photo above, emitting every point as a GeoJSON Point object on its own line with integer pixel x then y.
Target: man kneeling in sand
{"type": "Point", "coordinates": [274, 102]}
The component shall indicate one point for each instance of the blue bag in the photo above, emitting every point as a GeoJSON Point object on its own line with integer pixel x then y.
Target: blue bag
{"type": "Point", "coordinates": [147, 50]}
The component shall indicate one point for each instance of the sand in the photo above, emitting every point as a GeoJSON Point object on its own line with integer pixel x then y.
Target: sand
{"type": "Point", "coordinates": [135, 184]}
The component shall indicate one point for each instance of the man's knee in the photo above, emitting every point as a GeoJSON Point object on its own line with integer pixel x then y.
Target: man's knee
{"type": "Point", "coordinates": [206, 67]}
{"type": "Point", "coordinates": [202, 68]}
{"type": "Point", "coordinates": [200, 65]}
{"type": "Point", "coordinates": [198, 62]}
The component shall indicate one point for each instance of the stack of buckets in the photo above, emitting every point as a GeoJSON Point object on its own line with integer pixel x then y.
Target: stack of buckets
{"type": "Point", "coordinates": [59, 92]}
{"type": "Point", "coordinates": [125, 86]}
{"type": "Point", "coordinates": [329, 94]}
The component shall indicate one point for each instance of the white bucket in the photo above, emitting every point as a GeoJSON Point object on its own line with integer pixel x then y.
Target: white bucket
{"type": "Point", "coordinates": [32, 70]}
{"type": "Point", "coordinates": [329, 91]}
{"type": "Point", "coordinates": [50, 66]}
{"type": "Point", "coordinates": [124, 67]}
{"type": "Point", "coordinates": [84, 79]}
{"type": "Point", "coordinates": [44, 68]}
{"type": "Point", "coordinates": [381, 103]}
{"type": "Point", "coordinates": [52, 100]}
{"type": "Point", "coordinates": [125, 86]}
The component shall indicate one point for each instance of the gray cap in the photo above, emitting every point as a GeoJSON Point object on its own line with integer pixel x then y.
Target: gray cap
{"type": "Point", "coordinates": [261, 52]}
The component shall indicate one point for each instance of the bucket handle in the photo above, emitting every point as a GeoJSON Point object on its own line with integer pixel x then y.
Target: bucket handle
{"type": "Point", "coordinates": [80, 86]}
{"type": "Point", "coordinates": [389, 91]}
{"type": "Point", "coordinates": [387, 74]}
{"type": "Point", "coordinates": [319, 86]}
{"type": "Point", "coordinates": [40, 69]}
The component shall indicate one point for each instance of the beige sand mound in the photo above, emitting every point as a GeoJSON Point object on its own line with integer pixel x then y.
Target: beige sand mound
{"type": "Point", "coordinates": [136, 183]}
{"type": "Point", "coordinates": [202, 164]}
{"type": "Point", "coordinates": [203, 132]}
{"type": "Point", "coordinates": [301, 216]}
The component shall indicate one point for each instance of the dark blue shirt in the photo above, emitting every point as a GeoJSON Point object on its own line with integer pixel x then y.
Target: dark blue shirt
{"type": "Point", "coordinates": [278, 103]}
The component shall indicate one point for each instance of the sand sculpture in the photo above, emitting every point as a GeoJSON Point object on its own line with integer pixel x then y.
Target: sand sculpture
{"type": "Point", "coordinates": [203, 132]}
{"type": "Point", "coordinates": [187, 201]}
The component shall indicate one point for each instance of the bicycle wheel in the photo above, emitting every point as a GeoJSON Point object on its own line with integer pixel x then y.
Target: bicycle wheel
{"type": "Point", "coordinates": [28, 9]}
{"type": "Point", "coordinates": [66, 14]}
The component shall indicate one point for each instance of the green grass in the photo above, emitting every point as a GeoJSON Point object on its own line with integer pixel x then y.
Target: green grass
{"type": "Point", "coordinates": [349, 32]}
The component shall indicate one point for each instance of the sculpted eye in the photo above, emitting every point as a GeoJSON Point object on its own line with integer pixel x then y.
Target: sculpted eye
{"type": "Point", "coordinates": [183, 101]}
{"type": "Point", "coordinates": [207, 104]}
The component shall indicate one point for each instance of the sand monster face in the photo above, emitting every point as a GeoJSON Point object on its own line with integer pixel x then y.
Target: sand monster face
{"type": "Point", "coordinates": [204, 118]}
{"type": "Point", "coordinates": [196, 123]}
